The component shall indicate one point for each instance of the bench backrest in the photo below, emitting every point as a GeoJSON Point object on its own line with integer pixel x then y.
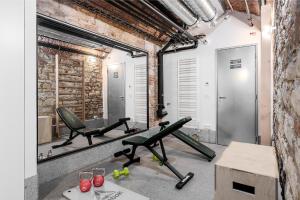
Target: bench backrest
{"type": "Point", "coordinates": [70, 119]}
{"type": "Point", "coordinates": [170, 129]}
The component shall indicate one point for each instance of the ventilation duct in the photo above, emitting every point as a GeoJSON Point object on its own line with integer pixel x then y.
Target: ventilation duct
{"type": "Point", "coordinates": [178, 9]}
{"type": "Point", "coordinates": [203, 8]}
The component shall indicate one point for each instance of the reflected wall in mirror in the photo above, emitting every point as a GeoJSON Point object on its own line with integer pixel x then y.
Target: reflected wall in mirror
{"type": "Point", "coordinates": [88, 93]}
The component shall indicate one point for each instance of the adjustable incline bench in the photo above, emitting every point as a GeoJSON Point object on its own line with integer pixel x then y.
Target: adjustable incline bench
{"type": "Point", "coordinates": [149, 142]}
{"type": "Point", "coordinates": [76, 126]}
{"type": "Point", "coordinates": [207, 152]}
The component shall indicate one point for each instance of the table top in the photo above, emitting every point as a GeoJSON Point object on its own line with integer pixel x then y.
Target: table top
{"type": "Point", "coordinates": [108, 191]}
{"type": "Point", "coordinates": [252, 158]}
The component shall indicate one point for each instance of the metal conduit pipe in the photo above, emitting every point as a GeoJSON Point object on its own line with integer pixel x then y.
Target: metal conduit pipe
{"type": "Point", "coordinates": [178, 9]}
{"type": "Point", "coordinates": [202, 8]}
{"type": "Point", "coordinates": [168, 28]}
{"type": "Point", "coordinates": [159, 23]}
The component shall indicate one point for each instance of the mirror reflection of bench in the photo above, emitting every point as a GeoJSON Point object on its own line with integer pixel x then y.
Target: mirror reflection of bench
{"type": "Point", "coordinates": [77, 127]}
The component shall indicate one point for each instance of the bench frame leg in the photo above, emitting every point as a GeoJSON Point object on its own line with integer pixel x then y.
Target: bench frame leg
{"type": "Point", "coordinates": [130, 155]}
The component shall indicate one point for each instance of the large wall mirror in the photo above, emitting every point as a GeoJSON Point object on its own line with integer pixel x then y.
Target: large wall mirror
{"type": "Point", "coordinates": [91, 90]}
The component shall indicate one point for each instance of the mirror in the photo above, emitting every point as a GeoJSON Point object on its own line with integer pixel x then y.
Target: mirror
{"type": "Point", "coordinates": [89, 93]}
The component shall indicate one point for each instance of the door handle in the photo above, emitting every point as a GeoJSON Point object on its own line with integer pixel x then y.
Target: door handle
{"type": "Point", "coordinates": [122, 97]}
{"type": "Point", "coordinates": [222, 97]}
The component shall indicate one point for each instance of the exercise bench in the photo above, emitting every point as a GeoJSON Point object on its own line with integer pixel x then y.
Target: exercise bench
{"type": "Point", "coordinates": [137, 141]}
{"type": "Point", "coordinates": [77, 127]}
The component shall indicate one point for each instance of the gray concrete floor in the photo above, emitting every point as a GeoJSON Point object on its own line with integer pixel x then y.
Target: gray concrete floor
{"type": "Point", "coordinates": [149, 178]}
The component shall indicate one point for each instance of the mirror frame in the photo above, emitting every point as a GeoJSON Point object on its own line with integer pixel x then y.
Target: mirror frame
{"type": "Point", "coordinates": [49, 22]}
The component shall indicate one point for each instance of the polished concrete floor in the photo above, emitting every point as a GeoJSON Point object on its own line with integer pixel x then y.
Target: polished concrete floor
{"type": "Point", "coordinates": [149, 178]}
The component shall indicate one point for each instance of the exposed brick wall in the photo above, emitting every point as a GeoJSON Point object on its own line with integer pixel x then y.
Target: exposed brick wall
{"type": "Point", "coordinates": [65, 11]}
{"type": "Point", "coordinates": [287, 96]}
{"type": "Point", "coordinates": [78, 75]}
{"type": "Point", "coordinates": [93, 87]}
{"type": "Point", "coordinates": [70, 82]}
{"type": "Point", "coordinates": [46, 81]}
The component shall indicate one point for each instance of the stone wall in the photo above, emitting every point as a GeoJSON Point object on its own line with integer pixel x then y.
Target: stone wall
{"type": "Point", "coordinates": [93, 87]}
{"type": "Point", "coordinates": [46, 81]}
{"type": "Point", "coordinates": [287, 96]}
{"type": "Point", "coordinates": [66, 11]}
{"type": "Point", "coordinates": [80, 83]}
{"type": "Point", "coordinates": [70, 82]}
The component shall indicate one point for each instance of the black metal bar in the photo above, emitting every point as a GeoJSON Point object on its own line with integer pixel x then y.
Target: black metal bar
{"type": "Point", "coordinates": [160, 74]}
{"type": "Point", "coordinates": [163, 150]}
{"type": "Point", "coordinates": [67, 142]}
{"type": "Point", "coordinates": [61, 48]}
{"type": "Point", "coordinates": [181, 30]}
{"type": "Point", "coordinates": [83, 33]}
{"type": "Point", "coordinates": [166, 163]}
{"type": "Point", "coordinates": [160, 82]}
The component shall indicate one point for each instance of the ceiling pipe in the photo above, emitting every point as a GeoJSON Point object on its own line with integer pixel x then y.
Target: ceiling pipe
{"type": "Point", "coordinates": [180, 29]}
{"type": "Point", "coordinates": [166, 27]}
{"type": "Point", "coordinates": [249, 14]}
{"type": "Point", "coordinates": [179, 10]}
{"type": "Point", "coordinates": [202, 8]}
{"type": "Point", "coordinates": [135, 15]}
{"type": "Point", "coordinates": [158, 21]}
{"type": "Point", "coordinates": [228, 2]}
{"type": "Point", "coordinates": [122, 6]}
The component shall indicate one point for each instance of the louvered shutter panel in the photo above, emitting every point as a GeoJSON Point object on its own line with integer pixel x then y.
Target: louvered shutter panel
{"type": "Point", "coordinates": [140, 93]}
{"type": "Point", "coordinates": [188, 90]}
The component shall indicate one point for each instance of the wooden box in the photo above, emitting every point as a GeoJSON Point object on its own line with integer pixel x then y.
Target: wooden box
{"type": "Point", "coordinates": [44, 129]}
{"type": "Point", "coordinates": [246, 172]}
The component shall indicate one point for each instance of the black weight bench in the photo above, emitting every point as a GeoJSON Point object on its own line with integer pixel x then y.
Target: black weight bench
{"type": "Point", "coordinates": [77, 127]}
{"type": "Point", "coordinates": [198, 146]}
{"type": "Point", "coordinates": [115, 125]}
{"type": "Point", "coordinates": [137, 141]}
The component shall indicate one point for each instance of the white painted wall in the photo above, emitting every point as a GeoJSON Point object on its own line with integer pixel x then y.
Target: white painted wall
{"type": "Point", "coordinates": [30, 89]}
{"type": "Point", "coordinates": [121, 57]}
{"type": "Point", "coordinates": [17, 97]}
{"type": "Point", "coordinates": [232, 32]}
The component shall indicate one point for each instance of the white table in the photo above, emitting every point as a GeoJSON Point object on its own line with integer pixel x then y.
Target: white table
{"type": "Point", "coordinates": [109, 191]}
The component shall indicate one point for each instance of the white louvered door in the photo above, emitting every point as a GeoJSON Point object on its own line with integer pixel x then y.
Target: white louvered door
{"type": "Point", "coordinates": [188, 90]}
{"type": "Point", "coordinates": [140, 93]}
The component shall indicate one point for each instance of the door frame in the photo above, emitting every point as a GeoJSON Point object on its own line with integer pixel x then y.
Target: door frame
{"type": "Point", "coordinates": [123, 65]}
{"type": "Point", "coordinates": [257, 140]}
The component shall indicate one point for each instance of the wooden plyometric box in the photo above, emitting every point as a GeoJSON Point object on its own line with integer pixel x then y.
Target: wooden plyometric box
{"type": "Point", "coordinates": [246, 172]}
{"type": "Point", "coordinates": [44, 129]}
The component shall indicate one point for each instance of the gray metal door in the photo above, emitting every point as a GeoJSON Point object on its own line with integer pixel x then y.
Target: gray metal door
{"type": "Point", "coordinates": [236, 120]}
{"type": "Point", "coordinates": [116, 92]}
